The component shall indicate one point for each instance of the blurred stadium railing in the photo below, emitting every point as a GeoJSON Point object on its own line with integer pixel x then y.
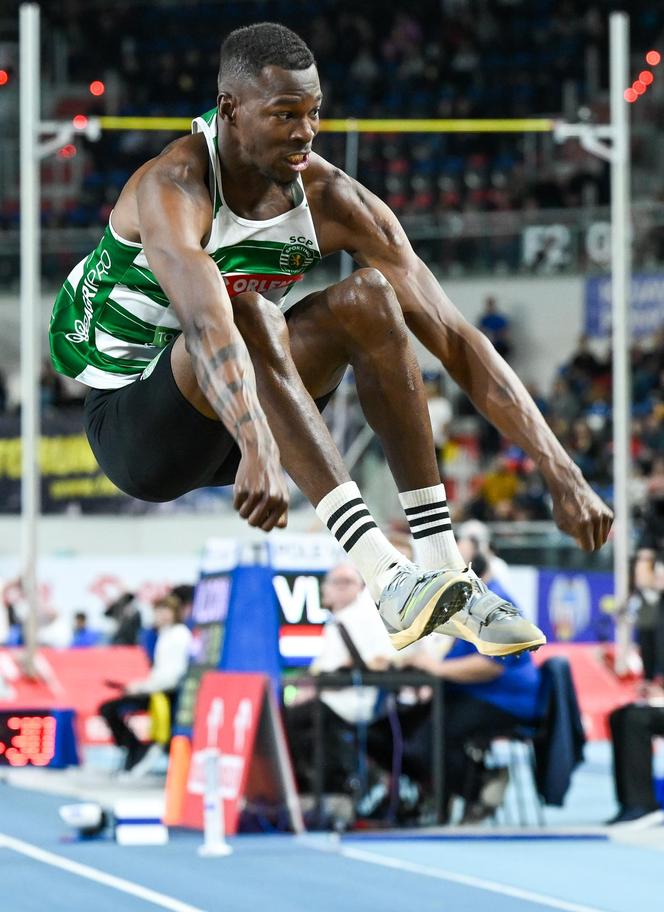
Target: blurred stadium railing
{"type": "Point", "coordinates": [468, 243]}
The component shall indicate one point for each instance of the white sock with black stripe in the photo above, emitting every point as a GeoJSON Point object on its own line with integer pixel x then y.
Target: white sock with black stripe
{"type": "Point", "coordinates": [430, 526]}
{"type": "Point", "coordinates": [345, 514]}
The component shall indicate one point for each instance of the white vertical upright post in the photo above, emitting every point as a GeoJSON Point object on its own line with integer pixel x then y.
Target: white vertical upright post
{"type": "Point", "coordinates": [618, 154]}
{"type": "Point", "coordinates": [30, 304]}
{"type": "Point", "coordinates": [214, 840]}
{"type": "Point", "coordinates": [620, 306]}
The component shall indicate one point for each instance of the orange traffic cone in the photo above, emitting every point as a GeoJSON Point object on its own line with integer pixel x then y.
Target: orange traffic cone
{"type": "Point", "coordinates": [176, 779]}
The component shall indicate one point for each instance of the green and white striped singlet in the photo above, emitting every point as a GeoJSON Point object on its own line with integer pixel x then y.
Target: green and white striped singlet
{"type": "Point", "coordinates": [111, 318]}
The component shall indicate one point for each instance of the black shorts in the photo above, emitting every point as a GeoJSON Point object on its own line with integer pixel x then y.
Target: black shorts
{"type": "Point", "coordinates": [153, 444]}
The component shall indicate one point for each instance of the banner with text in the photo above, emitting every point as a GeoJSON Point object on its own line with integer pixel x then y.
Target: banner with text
{"type": "Point", "coordinates": [69, 471]}
{"type": "Point", "coordinates": [646, 310]}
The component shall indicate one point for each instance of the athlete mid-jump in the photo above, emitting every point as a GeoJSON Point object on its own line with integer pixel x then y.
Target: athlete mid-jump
{"type": "Point", "coordinates": [205, 368]}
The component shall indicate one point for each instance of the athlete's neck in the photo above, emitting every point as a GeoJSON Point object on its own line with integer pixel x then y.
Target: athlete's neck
{"type": "Point", "coordinates": [250, 193]}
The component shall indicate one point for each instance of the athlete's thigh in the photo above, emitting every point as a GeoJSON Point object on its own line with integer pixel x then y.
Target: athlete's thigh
{"type": "Point", "coordinates": [152, 443]}
{"type": "Point", "coordinates": [319, 345]}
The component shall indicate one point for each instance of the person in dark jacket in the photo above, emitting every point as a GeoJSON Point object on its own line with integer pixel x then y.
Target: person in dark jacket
{"type": "Point", "coordinates": [632, 729]}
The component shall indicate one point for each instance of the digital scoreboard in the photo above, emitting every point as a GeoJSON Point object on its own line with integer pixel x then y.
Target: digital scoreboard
{"type": "Point", "coordinates": [37, 737]}
{"type": "Point", "coordinates": [27, 738]}
{"type": "Point", "coordinates": [209, 615]}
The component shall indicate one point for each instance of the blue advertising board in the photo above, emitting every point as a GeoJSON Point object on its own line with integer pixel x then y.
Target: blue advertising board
{"type": "Point", "coordinates": [575, 607]}
{"type": "Point", "coordinates": [646, 305]}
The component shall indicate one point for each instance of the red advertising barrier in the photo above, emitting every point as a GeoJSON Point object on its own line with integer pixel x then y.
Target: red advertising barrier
{"type": "Point", "coordinates": [75, 679]}
{"type": "Point", "coordinates": [71, 679]}
{"type": "Point", "coordinates": [236, 714]}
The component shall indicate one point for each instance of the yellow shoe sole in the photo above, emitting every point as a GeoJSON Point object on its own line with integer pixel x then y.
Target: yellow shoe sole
{"type": "Point", "coordinates": [496, 649]}
{"type": "Point", "coordinates": [439, 609]}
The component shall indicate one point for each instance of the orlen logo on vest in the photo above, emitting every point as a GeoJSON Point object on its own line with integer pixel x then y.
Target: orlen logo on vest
{"type": "Point", "coordinates": [261, 283]}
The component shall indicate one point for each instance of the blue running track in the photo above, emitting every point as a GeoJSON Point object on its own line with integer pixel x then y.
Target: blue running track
{"type": "Point", "coordinates": [41, 872]}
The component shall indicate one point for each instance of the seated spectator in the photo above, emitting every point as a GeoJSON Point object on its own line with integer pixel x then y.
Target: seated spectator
{"type": "Point", "coordinates": [82, 635]}
{"type": "Point", "coordinates": [632, 729]}
{"type": "Point", "coordinates": [485, 697]}
{"type": "Point", "coordinates": [184, 594]}
{"type": "Point", "coordinates": [171, 659]}
{"type": "Point", "coordinates": [352, 635]}
{"type": "Point", "coordinates": [496, 327]}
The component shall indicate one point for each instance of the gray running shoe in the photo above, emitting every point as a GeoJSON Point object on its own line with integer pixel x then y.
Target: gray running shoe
{"type": "Point", "coordinates": [491, 624]}
{"type": "Point", "coordinates": [416, 602]}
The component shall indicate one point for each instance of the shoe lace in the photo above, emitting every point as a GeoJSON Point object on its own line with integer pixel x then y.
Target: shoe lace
{"type": "Point", "coordinates": [399, 576]}
{"type": "Point", "coordinates": [406, 572]}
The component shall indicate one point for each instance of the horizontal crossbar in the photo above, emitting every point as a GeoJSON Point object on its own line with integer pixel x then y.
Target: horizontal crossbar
{"type": "Point", "coordinates": [350, 125]}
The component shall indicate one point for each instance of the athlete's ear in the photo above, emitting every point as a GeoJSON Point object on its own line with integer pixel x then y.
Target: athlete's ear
{"type": "Point", "coordinates": [226, 106]}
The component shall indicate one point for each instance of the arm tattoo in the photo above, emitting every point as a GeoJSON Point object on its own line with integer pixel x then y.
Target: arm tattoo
{"type": "Point", "coordinates": [244, 419]}
{"type": "Point", "coordinates": [228, 384]}
{"type": "Point", "coordinates": [222, 356]}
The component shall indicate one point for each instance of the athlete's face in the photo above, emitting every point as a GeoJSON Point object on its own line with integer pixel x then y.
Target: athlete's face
{"type": "Point", "coordinates": [275, 119]}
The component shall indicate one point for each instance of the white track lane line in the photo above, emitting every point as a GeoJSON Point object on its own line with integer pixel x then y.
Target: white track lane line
{"type": "Point", "coordinates": [465, 879]}
{"type": "Point", "coordinates": [100, 877]}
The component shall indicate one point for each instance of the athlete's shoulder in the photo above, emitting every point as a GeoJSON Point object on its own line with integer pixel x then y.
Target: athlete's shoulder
{"type": "Point", "coordinates": [185, 161]}
{"type": "Point", "coordinates": [327, 185]}
{"type": "Point", "coordinates": [330, 191]}
{"type": "Point", "coordinates": [181, 166]}
{"type": "Point", "coordinates": [347, 215]}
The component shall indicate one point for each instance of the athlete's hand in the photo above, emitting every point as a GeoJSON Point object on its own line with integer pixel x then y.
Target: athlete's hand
{"type": "Point", "coordinates": [260, 492]}
{"type": "Point", "coordinates": [579, 512]}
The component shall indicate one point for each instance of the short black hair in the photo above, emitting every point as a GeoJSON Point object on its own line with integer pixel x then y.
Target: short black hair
{"type": "Point", "coordinates": [247, 50]}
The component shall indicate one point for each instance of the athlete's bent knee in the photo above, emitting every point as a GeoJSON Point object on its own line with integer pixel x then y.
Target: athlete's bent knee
{"type": "Point", "coordinates": [370, 281]}
{"type": "Point", "coordinates": [367, 302]}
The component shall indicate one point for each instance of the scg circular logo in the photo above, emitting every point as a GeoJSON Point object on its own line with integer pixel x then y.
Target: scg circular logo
{"type": "Point", "coordinates": [295, 258]}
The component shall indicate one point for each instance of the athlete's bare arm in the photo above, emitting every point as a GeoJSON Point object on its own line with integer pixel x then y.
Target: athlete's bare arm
{"type": "Point", "coordinates": [174, 218]}
{"type": "Point", "coordinates": [349, 217]}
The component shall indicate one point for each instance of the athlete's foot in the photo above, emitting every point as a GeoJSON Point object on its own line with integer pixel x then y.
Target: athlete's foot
{"type": "Point", "coordinates": [416, 602]}
{"type": "Point", "coordinates": [491, 624]}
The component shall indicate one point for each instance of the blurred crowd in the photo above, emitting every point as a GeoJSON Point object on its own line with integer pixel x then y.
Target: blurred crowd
{"type": "Point", "coordinates": [127, 620]}
{"type": "Point", "coordinates": [489, 479]}
{"type": "Point", "coordinates": [578, 408]}
{"type": "Point", "coordinates": [452, 59]}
